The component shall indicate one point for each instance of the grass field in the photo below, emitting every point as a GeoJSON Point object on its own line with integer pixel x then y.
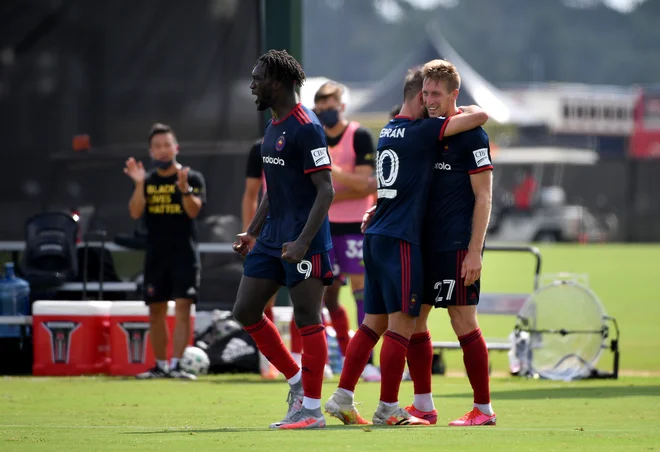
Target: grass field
{"type": "Point", "coordinates": [232, 413]}
{"type": "Point", "coordinates": [626, 278]}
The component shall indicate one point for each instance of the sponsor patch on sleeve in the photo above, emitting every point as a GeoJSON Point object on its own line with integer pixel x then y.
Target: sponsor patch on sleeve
{"type": "Point", "coordinates": [481, 157]}
{"type": "Point", "coordinates": [320, 156]}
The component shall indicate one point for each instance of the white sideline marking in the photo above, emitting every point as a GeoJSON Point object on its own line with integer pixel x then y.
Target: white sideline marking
{"type": "Point", "coordinates": [265, 428]}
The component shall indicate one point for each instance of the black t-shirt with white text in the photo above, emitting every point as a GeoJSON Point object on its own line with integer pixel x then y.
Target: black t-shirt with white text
{"type": "Point", "coordinates": [165, 218]}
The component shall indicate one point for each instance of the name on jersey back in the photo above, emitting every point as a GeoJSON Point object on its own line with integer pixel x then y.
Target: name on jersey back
{"type": "Point", "coordinates": [399, 132]}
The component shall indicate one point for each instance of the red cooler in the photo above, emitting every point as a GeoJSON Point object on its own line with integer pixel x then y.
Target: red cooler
{"type": "Point", "coordinates": [70, 337]}
{"type": "Point", "coordinates": [130, 345]}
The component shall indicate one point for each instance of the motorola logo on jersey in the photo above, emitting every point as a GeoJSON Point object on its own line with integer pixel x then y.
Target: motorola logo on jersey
{"type": "Point", "coordinates": [442, 166]}
{"type": "Point", "coordinates": [273, 160]}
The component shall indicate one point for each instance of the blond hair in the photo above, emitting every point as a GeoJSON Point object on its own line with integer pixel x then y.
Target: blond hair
{"type": "Point", "coordinates": [329, 89]}
{"type": "Point", "coordinates": [442, 71]}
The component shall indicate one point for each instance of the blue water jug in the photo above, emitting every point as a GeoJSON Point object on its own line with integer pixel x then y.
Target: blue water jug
{"type": "Point", "coordinates": [14, 300]}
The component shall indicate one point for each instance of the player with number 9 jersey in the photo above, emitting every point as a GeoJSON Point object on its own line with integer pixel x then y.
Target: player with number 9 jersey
{"type": "Point", "coordinates": [293, 148]}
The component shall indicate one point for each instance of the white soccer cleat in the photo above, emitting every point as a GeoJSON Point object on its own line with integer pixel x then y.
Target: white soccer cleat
{"type": "Point", "coordinates": [371, 373]}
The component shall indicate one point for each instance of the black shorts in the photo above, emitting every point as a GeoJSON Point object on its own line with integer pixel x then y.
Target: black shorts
{"type": "Point", "coordinates": [443, 285]}
{"type": "Point", "coordinates": [171, 272]}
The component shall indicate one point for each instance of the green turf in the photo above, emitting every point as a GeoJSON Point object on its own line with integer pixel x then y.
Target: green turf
{"type": "Point", "coordinates": [625, 277]}
{"type": "Point", "coordinates": [231, 413]}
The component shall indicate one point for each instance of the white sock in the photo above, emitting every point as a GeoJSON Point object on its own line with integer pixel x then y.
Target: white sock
{"type": "Point", "coordinates": [173, 363]}
{"type": "Point", "coordinates": [485, 408]}
{"type": "Point", "coordinates": [297, 357]}
{"type": "Point", "coordinates": [351, 394]}
{"type": "Point", "coordinates": [295, 379]}
{"type": "Point", "coordinates": [162, 364]}
{"type": "Point", "coordinates": [424, 402]}
{"type": "Point", "coordinates": [390, 405]}
{"type": "Point", "coordinates": [311, 404]}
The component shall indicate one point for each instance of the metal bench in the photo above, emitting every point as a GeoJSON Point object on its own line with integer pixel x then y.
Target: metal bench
{"type": "Point", "coordinates": [493, 304]}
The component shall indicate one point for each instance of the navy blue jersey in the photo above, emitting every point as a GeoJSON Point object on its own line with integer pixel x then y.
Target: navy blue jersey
{"type": "Point", "coordinates": [448, 225]}
{"type": "Point", "coordinates": [404, 155]}
{"type": "Point", "coordinates": [293, 148]}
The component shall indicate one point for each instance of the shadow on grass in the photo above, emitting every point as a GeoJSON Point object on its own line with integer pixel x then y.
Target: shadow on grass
{"type": "Point", "coordinates": [244, 379]}
{"type": "Point", "coordinates": [568, 392]}
{"type": "Point", "coordinates": [264, 429]}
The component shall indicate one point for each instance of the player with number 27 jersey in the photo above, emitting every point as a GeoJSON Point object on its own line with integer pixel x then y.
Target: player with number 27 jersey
{"type": "Point", "coordinates": [392, 254]}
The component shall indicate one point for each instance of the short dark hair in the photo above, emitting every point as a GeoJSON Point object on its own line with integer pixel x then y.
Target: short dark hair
{"type": "Point", "coordinates": [413, 83]}
{"type": "Point", "coordinates": [281, 66]}
{"type": "Point", "coordinates": [395, 111]}
{"type": "Point", "coordinates": [159, 129]}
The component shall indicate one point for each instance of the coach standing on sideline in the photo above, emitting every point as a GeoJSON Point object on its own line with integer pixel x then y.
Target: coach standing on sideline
{"type": "Point", "coordinates": [170, 197]}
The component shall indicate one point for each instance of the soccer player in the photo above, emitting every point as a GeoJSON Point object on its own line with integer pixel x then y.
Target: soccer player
{"type": "Point", "coordinates": [392, 253]}
{"type": "Point", "coordinates": [170, 197]}
{"type": "Point", "coordinates": [454, 233]}
{"type": "Point", "coordinates": [288, 240]}
{"type": "Point", "coordinates": [352, 152]}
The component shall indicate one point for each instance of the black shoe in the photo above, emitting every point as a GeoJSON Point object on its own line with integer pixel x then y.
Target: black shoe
{"type": "Point", "coordinates": [155, 372]}
{"type": "Point", "coordinates": [177, 372]}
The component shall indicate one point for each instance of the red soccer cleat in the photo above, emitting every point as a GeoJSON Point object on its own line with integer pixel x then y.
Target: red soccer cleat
{"type": "Point", "coordinates": [474, 417]}
{"type": "Point", "coordinates": [431, 416]}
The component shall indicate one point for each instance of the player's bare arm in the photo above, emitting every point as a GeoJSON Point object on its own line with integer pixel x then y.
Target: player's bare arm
{"type": "Point", "coordinates": [245, 241]}
{"type": "Point", "coordinates": [358, 184]}
{"type": "Point", "coordinates": [295, 251]}
{"type": "Point", "coordinates": [250, 200]}
{"type": "Point", "coordinates": [254, 229]}
{"type": "Point", "coordinates": [192, 204]}
{"type": "Point", "coordinates": [473, 117]}
{"type": "Point", "coordinates": [135, 170]}
{"type": "Point", "coordinates": [482, 186]}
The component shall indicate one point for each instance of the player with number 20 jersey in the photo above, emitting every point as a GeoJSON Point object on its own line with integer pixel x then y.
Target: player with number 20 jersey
{"type": "Point", "coordinates": [392, 254]}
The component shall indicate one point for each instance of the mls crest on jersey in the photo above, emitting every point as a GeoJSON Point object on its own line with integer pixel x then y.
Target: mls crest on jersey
{"type": "Point", "coordinates": [279, 144]}
{"type": "Point", "coordinates": [60, 339]}
{"type": "Point", "coordinates": [136, 340]}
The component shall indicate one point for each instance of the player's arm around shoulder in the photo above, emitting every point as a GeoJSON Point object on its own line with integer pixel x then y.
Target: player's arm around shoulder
{"type": "Point", "coordinates": [193, 191]}
{"type": "Point", "coordinates": [472, 116]}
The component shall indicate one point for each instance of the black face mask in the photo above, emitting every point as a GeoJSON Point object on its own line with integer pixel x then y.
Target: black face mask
{"type": "Point", "coordinates": [163, 165]}
{"type": "Point", "coordinates": [329, 118]}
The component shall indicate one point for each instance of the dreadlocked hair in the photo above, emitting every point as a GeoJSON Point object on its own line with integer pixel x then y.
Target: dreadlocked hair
{"type": "Point", "coordinates": [282, 67]}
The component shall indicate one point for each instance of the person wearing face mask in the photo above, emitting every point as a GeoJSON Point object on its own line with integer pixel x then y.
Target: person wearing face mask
{"type": "Point", "coordinates": [170, 197]}
{"type": "Point", "coordinates": [352, 152]}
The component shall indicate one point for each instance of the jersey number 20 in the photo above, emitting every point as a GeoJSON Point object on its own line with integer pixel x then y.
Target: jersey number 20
{"type": "Point", "coordinates": [386, 181]}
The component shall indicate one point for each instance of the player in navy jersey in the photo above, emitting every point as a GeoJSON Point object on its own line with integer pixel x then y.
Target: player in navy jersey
{"type": "Point", "coordinates": [288, 240]}
{"type": "Point", "coordinates": [392, 253]}
{"type": "Point", "coordinates": [454, 234]}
